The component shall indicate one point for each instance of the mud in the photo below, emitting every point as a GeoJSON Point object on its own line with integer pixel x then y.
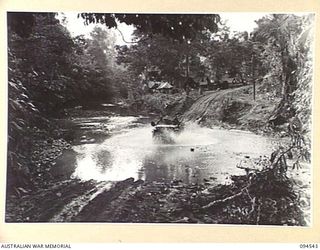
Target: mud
{"type": "Point", "coordinates": [132, 201]}
{"type": "Point", "coordinates": [113, 172]}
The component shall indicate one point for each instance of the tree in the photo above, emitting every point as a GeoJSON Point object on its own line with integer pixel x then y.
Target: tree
{"type": "Point", "coordinates": [37, 65]}
{"type": "Point", "coordinates": [47, 70]}
{"type": "Point", "coordinates": [175, 60]}
{"type": "Point", "coordinates": [179, 27]}
{"type": "Point", "coordinates": [156, 51]}
{"type": "Point", "coordinates": [102, 46]}
{"type": "Point", "coordinates": [45, 63]}
{"type": "Point", "coordinates": [279, 33]}
{"type": "Point", "coordinates": [302, 102]}
{"type": "Point", "coordinates": [232, 55]}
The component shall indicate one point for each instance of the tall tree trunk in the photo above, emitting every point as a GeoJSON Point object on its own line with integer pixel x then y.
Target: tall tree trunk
{"type": "Point", "coordinates": [187, 65]}
{"type": "Point", "coordinates": [253, 78]}
{"type": "Point", "coordinates": [285, 109]}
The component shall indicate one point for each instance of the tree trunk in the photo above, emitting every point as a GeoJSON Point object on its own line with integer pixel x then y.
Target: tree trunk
{"type": "Point", "coordinates": [187, 65]}
{"type": "Point", "coordinates": [253, 80]}
{"type": "Point", "coordinates": [285, 110]}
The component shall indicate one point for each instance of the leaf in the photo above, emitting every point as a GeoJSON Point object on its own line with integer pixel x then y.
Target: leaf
{"type": "Point", "coordinates": [35, 110]}
{"type": "Point", "coordinates": [15, 105]}
{"type": "Point", "coordinates": [13, 85]}
{"type": "Point", "coordinates": [35, 73]}
{"type": "Point", "coordinates": [16, 126]}
{"type": "Point", "coordinates": [31, 104]}
{"type": "Point", "coordinates": [25, 96]}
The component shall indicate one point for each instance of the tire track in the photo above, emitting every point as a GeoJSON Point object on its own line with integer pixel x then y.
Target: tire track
{"type": "Point", "coordinates": [201, 106]}
{"type": "Point", "coordinates": [74, 207]}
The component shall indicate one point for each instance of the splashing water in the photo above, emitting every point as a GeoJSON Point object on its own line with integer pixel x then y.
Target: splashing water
{"type": "Point", "coordinates": [197, 154]}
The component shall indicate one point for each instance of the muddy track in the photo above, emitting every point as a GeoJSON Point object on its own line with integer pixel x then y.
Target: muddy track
{"type": "Point", "coordinates": [200, 107]}
{"type": "Point", "coordinates": [153, 201]}
{"type": "Point", "coordinates": [132, 201]}
{"type": "Point", "coordinates": [48, 204]}
{"type": "Point", "coordinates": [72, 201]}
{"type": "Point", "coordinates": [101, 209]}
{"type": "Point", "coordinates": [76, 205]}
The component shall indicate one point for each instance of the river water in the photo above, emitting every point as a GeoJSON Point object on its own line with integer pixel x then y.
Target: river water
{"type": "Point", "coordinates": [115, 147]}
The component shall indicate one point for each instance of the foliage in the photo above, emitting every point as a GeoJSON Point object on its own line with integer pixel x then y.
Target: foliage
{"type": "Point", "coordinates": [20, 111]}
{"type": "Point", "coordinates": [153, 48]}
{"type": "Point", "coordinates": [280, 34]}
{"type": "Point", "coordinates": [302, 95]}
{"type": "Point", "coordinates": [93, 63]}
{"type": "Point", "coordinates": [45, 63]}
{"type": "Point", "coordinates": [270, 194]}
{"type": "Point", "coordinates": [56, 70]}
{"type": "Point", "coordinates": [47, 70]}
{"type": "Point", "coordinates": [174, 26]}
{"type": "Point", "coordinates": [207, 54]}
{"type": "Point", "coordinates": [156, 51]}
{"type": "Point", "coordinates": [234, 55]}
{"type": "Point", "coordinates": [24, 111]}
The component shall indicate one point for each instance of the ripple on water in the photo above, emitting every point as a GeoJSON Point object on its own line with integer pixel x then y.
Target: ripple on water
{"type": "Point", "coordinates": [134, 153]}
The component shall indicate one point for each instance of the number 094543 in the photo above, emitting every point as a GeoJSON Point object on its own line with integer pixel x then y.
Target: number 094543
{"type": "Point", "coordinates": [308, 246]}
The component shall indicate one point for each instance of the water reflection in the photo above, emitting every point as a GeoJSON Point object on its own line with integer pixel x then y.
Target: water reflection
{"type": "Point", "coordinates": [173, 163]}
{"type": "Point", "coordinates": [198, 155]}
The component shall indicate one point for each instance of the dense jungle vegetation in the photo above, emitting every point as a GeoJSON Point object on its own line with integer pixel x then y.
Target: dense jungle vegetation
{"type": "Point", "coordinates": [50, 71]}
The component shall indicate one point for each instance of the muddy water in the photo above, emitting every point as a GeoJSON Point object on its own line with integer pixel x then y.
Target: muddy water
{"type": "Point", "coordinates": [128, 150]}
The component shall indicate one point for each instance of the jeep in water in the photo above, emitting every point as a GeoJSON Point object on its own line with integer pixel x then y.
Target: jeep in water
{"type": "Point", "coordinates": [165, 129]}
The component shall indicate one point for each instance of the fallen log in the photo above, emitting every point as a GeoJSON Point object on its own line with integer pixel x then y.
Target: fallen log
{"type": "Point", "coordinates": [221, 201]}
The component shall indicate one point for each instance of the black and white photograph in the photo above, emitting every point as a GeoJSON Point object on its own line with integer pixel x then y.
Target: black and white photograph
{"type": "Point", "coordinates": [160, 118]}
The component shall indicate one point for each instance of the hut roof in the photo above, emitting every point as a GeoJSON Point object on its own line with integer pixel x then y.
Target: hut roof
{"type": "Point", "coordinates": [153, 84]}
{"type": "Point", "coordinates": [165, 85]}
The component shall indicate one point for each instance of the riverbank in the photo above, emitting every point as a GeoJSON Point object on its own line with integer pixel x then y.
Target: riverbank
{"type": "Point", "coordinates": [235, 109]}
{"type": "Point", "coordinates": [132, 201]}
{"type": "Point", "coordinates": [232, 108]}
{"type": "Point", "coordinates": [59, 198]}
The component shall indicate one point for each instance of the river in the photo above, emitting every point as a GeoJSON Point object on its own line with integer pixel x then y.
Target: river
{"type": "Point", "coordinates": [97, 179]}
{"type": "Point", "coordinates": [115, 147]}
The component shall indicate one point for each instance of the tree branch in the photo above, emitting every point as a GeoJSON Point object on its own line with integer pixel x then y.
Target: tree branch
{"type": "Point", "coordinates": [122, 36]}
{"type": "Point", "coordinates": [221, 201]}
{"type": "Point", "coordinates": [130, 42]}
